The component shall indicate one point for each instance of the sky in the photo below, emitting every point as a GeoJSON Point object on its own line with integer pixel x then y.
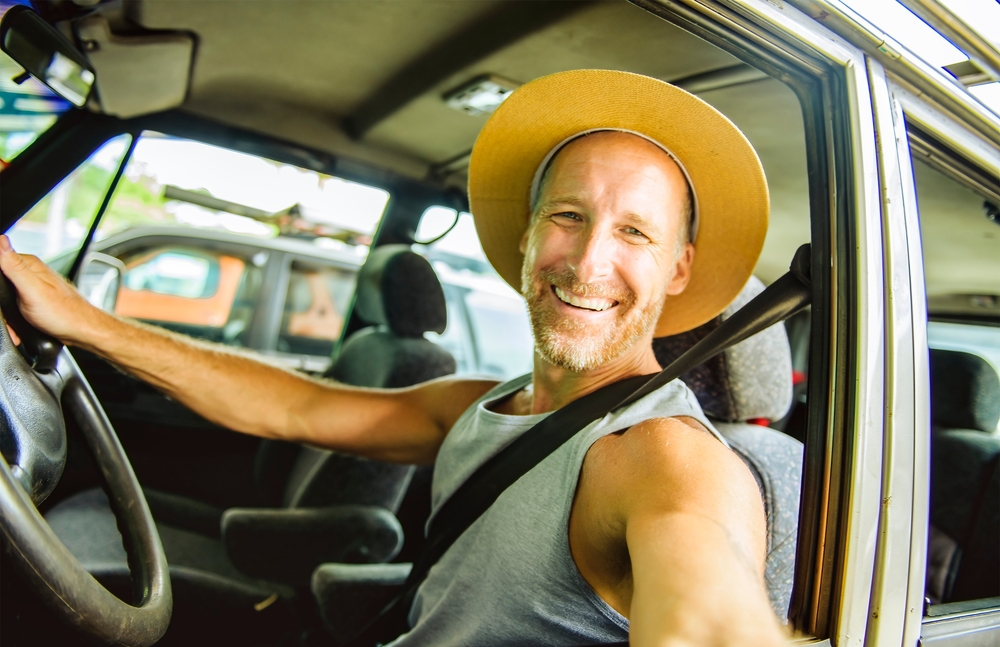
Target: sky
{"type": "Point", "coordinates": [903, 26]}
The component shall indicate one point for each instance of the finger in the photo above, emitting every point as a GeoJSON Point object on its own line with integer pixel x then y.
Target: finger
{"type": "Point", "coordinates": [13, 336]}
{"type": "Point", "coordinates": [10, 261]}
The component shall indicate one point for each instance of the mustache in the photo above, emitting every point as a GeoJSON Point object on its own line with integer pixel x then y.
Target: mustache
{"type": "Point", "coordinates": [567, 280]}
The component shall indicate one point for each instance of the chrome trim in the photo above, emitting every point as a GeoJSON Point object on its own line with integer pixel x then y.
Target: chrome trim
{"type": "Point", "coordinates": [779, 28]}
{"type": "Point", "coordinates": [970, 629]}
{"type": "Point", "coordinates": [921, 412]}
{"type": "Point", "coordinates": [863, 478]}
{"type": "Point", "coordinates": [925, 78]}
{"type": "Point", "coordinates": [891, 607]}
{"type": "Point", "coordinates": [963, 35]}
{"type": "Point", "coordinates": [937, 121]}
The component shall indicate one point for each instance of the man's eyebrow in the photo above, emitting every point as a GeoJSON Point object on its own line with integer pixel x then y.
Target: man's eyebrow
{"type": "Point", "coordinates": [644, 223]}
{"type": "Point", "coordinates": [561, 199]}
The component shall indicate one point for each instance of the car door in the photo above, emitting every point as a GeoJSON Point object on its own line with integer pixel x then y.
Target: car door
{"type": "Point", "coordinates": [949, 190]}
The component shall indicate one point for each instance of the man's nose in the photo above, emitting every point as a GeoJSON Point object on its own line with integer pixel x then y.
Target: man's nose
{"type": "Point", "coordinates": [591, 257]}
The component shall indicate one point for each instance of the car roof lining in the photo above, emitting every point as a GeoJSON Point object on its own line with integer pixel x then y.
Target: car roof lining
{"type": "Point", "coordinates": [365, 79]}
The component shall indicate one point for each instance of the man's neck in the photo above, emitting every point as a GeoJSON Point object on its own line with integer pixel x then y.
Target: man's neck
{"type": "Point", "coordinates": [553, 387]}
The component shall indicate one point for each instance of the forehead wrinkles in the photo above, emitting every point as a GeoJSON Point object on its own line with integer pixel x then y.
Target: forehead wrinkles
{"type": "Point", "coordinates": [597, 163]}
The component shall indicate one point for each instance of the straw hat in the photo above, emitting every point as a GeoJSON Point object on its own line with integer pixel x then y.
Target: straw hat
{"type": "Point", "coordinates": [730, 192]}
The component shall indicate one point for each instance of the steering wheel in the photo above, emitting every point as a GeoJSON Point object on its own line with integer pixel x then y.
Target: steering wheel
{"type": "Point", "coordinates": [40, 382]}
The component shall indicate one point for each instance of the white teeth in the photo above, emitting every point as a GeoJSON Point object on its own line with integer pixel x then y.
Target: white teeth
{"type": "Point", "coordinates": [590, 304]}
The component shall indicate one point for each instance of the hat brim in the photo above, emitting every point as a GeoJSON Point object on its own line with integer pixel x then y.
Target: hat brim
{"type": "Point", "coordinates": [723, 167]}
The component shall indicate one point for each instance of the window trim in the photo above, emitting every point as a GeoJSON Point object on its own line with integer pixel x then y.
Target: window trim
{"type": "Point", "coordinates": [961, 154]}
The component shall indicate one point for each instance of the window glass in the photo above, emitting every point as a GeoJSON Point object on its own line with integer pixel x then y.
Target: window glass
{"type": "Point", "coordinates": [27, 109]}
{"type": "Point", "coordinates": [179, 182]}
{"type": "Point", "coordinates": [197, 227]}
{"type": "Point", "coordinates": [315, 307]}
{"type": "Point", "coordinates": [962, 270]}
{"type": "Point", "coordinates": [493, 336]}
{"type": "Point", "coordinates": [55, 227]}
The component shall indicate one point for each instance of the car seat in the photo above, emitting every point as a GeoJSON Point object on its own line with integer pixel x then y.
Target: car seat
{"type": "Point", "coordinates": [964, 543]}
{"type": "Point", "coordinates": [752, 381]}
{"type": "Point", "coordinates": [237, 564]}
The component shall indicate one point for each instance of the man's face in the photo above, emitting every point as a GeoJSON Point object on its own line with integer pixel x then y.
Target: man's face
{"type": "Point", "coordinates": [601, 252]}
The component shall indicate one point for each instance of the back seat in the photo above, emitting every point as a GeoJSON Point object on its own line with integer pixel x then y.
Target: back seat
{"type": "Point", "coordinates": [964, 544]}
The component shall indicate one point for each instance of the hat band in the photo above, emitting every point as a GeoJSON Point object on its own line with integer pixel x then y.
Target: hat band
{"type": "Point", "coordinates": [536, 183]}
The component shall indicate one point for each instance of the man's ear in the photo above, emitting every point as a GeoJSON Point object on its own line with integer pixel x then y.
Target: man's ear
{"type": "Point", "coordinates": [523, 245]}
{"type": "Point", "coordinates": [682, 271]}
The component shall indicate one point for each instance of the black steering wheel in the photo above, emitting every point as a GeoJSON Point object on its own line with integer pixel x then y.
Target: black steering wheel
{"type": "Point", "coordinates": [38, 383]}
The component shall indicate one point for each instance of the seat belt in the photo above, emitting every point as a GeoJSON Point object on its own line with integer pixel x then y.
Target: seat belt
{"type": "Point", "coordinates": [783, 298]}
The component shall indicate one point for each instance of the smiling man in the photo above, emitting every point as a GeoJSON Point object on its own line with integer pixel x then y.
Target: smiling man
{"type": "Point", "coordinates": [622, 208]}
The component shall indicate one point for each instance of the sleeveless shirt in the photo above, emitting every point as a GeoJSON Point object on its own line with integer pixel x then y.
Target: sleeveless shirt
{"type": "Point", "coordinates": [510, 579]}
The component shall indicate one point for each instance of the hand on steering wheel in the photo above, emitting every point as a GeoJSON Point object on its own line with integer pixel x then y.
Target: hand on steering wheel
{"type": "Point", "coordinates": [41, 382]}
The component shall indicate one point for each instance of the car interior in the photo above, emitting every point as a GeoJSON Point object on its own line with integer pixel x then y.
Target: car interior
{"type": "Point", "coordinates": [261, 536]}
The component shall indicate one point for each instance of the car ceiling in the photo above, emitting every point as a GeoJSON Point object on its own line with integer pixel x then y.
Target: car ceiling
{"type": "Point", "coordinates": [364, 79]}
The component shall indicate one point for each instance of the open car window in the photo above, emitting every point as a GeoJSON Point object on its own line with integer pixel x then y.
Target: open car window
{"type": "Point", "coordinates": [962, 268]}
{"type": "Point", "coordinates": [236, 248]}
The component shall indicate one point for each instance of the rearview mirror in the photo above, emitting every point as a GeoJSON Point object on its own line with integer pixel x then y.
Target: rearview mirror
{"type": "Point", "coordinates": [46, 54]}
{"type": "Point", "coordinates": [99, 280]}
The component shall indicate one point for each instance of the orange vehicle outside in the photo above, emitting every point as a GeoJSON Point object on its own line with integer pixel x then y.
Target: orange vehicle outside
{"type": "Point", "coordinates": [321, 320]}
{"type": "Point", "coordinates": [207, 311]}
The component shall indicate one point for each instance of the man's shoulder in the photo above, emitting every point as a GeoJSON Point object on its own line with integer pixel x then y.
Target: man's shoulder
{"type": "Point", "coordinates": [667, 443]}
{"type": "Point", "coordinates": [663, 455]}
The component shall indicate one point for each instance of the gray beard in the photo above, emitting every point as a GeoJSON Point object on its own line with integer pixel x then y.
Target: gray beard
{"type": "Point", "coordinates": [572, 345]}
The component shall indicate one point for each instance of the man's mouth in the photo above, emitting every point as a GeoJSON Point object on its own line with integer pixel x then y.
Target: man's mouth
{"type": "Point", "coordinates": [596, 304]}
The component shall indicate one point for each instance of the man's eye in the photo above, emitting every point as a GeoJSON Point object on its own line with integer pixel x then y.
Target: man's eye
{"type": "Point", "coordinates": [567, 214]}
{"type": "Point", "coordinates": [632, 231]}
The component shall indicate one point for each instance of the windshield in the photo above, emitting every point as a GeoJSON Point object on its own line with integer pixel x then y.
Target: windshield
{"type": "Point", "coordinates": [27, 108]}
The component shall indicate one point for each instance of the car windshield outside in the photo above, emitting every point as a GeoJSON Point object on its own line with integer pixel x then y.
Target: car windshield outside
{"type": "Point", "coordinates": [198, 228]}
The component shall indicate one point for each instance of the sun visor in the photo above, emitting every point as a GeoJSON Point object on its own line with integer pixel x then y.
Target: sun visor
{"type": "Point", "coordinates": [137, 75]}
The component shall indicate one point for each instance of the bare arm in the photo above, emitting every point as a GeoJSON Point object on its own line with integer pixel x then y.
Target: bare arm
{"type": "Point", "coordinates": [696, 537]}
{"type": "Point", "coordinates": [241, 393]}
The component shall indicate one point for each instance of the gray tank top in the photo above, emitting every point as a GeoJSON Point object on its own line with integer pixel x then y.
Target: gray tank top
{"type": "Point", "coordinates": [510, 578]}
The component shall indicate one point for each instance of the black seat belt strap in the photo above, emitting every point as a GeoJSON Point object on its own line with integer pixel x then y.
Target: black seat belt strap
{"type": "Point", "coordinates": [783, 298]}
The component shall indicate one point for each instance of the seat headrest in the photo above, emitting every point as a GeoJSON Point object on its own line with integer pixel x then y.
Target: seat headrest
{"type": "Point", "coordinates": [399, 289]}
{"type": "Point", "coordinates": [965, 391]}
{"type": "Point", "coordinates": [752, 379]}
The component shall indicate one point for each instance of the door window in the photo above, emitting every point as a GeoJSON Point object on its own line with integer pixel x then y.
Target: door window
{"type": "Point", "coordinates": [315, 307]}
{"type": "Point", "coordinates": [961, 239]}
{"type": "Point", "coordinates": [226, 214]}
